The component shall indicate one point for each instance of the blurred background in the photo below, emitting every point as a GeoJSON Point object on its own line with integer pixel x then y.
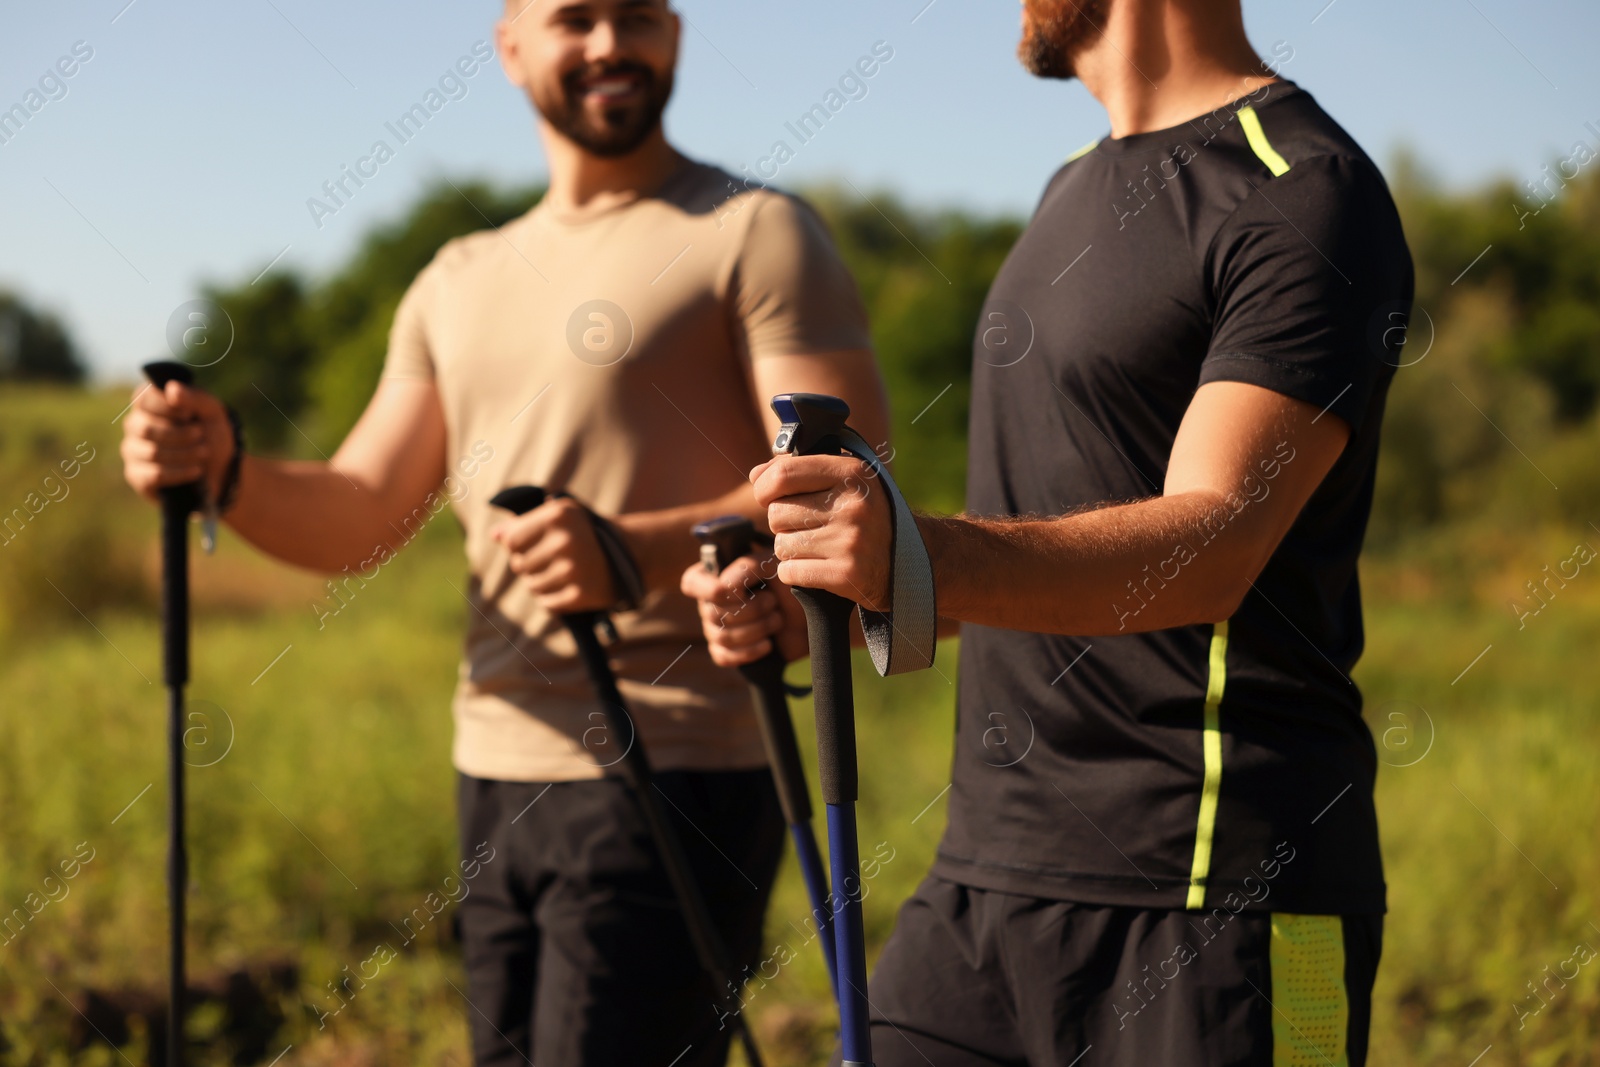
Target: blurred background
{"type": "Point", "coordinates": [180, 161]}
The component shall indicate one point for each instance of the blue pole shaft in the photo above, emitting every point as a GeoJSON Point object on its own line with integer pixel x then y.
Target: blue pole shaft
{"type": "Point", "coordinates": [845, 856]}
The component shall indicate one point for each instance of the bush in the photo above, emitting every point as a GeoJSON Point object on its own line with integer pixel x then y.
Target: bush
{"type": "Point", "coordinates": [64, 551]}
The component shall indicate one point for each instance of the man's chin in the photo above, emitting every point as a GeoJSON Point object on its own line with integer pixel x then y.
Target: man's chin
{"type": "Point", "coordinates": [617, 137]}
{"type": "Point", "coordinates": [1053, 32]}
{"type": "Point", "coordinates": [610, 133]}
{"type": "Point", "coordinates": [1044, 60]}
{"type": "Point", "coordinates": [611, 144]}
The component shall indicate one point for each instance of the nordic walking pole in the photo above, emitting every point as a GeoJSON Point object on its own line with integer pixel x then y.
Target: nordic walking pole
{"type": "Point", "coordinates": [722, 541]}
{"type": "Point", "coordinates": [899, 640]}
{"type": "Point", "coordinates": [636, 772]}
{"type": "Point", "coordinates": [178, 502]}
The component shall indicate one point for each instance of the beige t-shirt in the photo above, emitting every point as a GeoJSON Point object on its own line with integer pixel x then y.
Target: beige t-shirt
{"type": "Point", "coordinates": [609, 354]}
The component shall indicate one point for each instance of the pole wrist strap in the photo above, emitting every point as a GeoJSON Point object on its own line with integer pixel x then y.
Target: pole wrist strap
{"type": "Point", "coordinates": [903, 638]}
{"type": "Point", "coordinates": [626, 578]}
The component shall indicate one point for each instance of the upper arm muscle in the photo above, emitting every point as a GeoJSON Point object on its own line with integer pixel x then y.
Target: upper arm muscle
{"type": "Point", "coordinates": [851, 375]}
{"type": "Point", "coordinates": [396, 450]}
{"type": "Point", "coordinates": [1247, 442]}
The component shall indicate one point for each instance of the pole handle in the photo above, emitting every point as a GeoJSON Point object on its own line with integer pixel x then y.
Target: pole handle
{"type": "Point", "coordinates": [178, 502]}
{"type": "Point", "coordinates": [828, 631]}
{"type": "Point", "coordinates": [815, 424]}
{"type": "Point", "coordinates": [187, 498]}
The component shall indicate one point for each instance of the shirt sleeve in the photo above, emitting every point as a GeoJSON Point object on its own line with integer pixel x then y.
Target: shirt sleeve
{"type": "Point", "coordinates": [1308, 275]}
{"type": "Point", "coordinates": [410, 354]}
{"type": "Point", "coordinates": [790, 291]}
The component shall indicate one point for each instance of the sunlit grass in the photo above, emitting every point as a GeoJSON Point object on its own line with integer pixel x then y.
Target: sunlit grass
{"type": "Point", "coordinates": [327, 811]}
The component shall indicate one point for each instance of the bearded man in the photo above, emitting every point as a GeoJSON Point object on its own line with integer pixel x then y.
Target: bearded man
{"type": "Point", "coordinates": [616, 342]}
{"type": "Point", "coordinates": [1162, 847]}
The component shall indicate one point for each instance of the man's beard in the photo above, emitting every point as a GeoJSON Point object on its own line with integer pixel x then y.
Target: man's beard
{"type": "Point", "coordinates": [622, 128]}
{"type": "Point", "coordinates": [1052, 30]}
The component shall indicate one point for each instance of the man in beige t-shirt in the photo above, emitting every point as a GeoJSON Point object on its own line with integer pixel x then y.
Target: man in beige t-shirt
{"type": "Point", "coordinates": [617, 342]}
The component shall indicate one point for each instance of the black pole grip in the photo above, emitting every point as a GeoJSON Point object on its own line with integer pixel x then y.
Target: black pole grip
{"type": "Point", "coordinates": [833, 696]}
{"type": "Point", "coordinates": [178, 502]}
{"type": "Point", "coordinates": [519, 499]}
{"type": "Point", "coordinates": [188, 497]}
{"type": "Point", "coordinates": [812, 425]}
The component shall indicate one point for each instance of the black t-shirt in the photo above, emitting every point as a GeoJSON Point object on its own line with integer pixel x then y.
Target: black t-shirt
{"type": "Point", "coordinates": [1200, 766]}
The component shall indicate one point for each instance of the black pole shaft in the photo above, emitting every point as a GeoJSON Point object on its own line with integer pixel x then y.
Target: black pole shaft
{"type": "Point", "coordinates": [765, 676]}
{"type": "Point", "coordinates": [175, 504]}
{"type": "Point", "coordinates": [722, 541]}
{"type": "Point", "coordinates": [636, 771]}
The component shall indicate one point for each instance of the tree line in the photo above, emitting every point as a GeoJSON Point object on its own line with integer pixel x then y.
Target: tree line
{"type": "Point", "coordinates": [1493, 407]}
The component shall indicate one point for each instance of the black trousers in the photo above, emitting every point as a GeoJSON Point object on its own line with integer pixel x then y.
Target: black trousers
{"type": "Point", "coordinates": [976, 978]}
{"type": "Point", "coordinates": [576, 952]}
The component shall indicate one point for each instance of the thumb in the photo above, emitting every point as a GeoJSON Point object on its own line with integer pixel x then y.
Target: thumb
{"type": "Point", "coordinates": [191, 401]}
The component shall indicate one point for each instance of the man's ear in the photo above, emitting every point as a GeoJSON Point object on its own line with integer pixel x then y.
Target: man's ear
{"type": "Point", "coordinates": [505, 46]}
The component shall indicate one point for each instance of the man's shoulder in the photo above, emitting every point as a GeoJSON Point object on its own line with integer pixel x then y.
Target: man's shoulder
{"type": "Point", "coordinates": [480, 246]}
{"type": "Point", "coordinates": [1284, 120]}
{"type": "Point", "coordinates": [726, 198]}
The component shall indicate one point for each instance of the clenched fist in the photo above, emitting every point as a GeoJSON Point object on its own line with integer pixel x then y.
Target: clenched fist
{"type": "Point", "coordinates": [554, 549]}
{"type": "Point", "coordinates": [173, 436]}
{"type": "Point", "coordinates": [745, 610]}
{"type": "Point", "coordinates": [832, 524]}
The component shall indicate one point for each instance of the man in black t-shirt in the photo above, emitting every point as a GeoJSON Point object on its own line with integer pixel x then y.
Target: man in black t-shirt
{"type": "Point", "coordinates": [1162, 842]}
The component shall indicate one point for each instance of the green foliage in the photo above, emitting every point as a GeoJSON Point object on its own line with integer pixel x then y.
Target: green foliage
{"type": "Point", "coordinates": [62, 502]}
{"type": "Point", "coordinates": [1503, 361]}
{"type": "Point", "coordinates": [34, 346]}
{"type": "Point", "coordinates": [1540, 258]}
{"type": "Point", "coordinates": [1517, 335]}
{"type": "Point", "coordinates": [306, 354]}
{"type": "Point", "coordinates": [263, 374]}
{"type": "Point", "coordinates": [351, 313]}
{"type": "Point", "coordinates": [924, 278]}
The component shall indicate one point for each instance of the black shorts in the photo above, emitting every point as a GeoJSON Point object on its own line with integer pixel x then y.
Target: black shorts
{"type": "Point", "coordinates": [975, 978]}
{"type": "Point", "coordinates": [576, 952]}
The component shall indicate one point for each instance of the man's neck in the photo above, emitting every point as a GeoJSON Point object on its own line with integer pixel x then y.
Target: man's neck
{"type": "Point", "coordinates": [1156, 65]}
{"type": "Point", "coordinates": [582, 181]}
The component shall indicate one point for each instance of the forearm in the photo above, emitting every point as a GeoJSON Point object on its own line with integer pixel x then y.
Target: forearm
{"type": "Point", "coordinates": [1167, 561]}
{"type": "Point", "coordinates": [661, 542]}
{"type": "Point", "coordinates": [313, 515]}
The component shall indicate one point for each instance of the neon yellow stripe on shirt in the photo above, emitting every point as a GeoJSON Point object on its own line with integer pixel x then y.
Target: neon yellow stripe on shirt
{"type": "Point", "coordinates": [1251, 123]}
{"type": "Point", "coordinates": [1085, 150]}
{"type": "Point", "coordinates": [1211, 786]}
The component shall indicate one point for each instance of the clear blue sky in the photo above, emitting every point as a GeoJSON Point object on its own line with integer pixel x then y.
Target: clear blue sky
{"type": "Point", "coordinates": [186, 147]}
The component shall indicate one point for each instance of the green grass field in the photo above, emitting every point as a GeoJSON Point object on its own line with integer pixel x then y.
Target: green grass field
{"type": "Point", "coordinates": [322, 814]}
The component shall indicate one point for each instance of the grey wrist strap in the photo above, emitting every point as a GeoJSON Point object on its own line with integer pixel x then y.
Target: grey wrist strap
{"type": "Point", "coordinates": [903, 638]}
